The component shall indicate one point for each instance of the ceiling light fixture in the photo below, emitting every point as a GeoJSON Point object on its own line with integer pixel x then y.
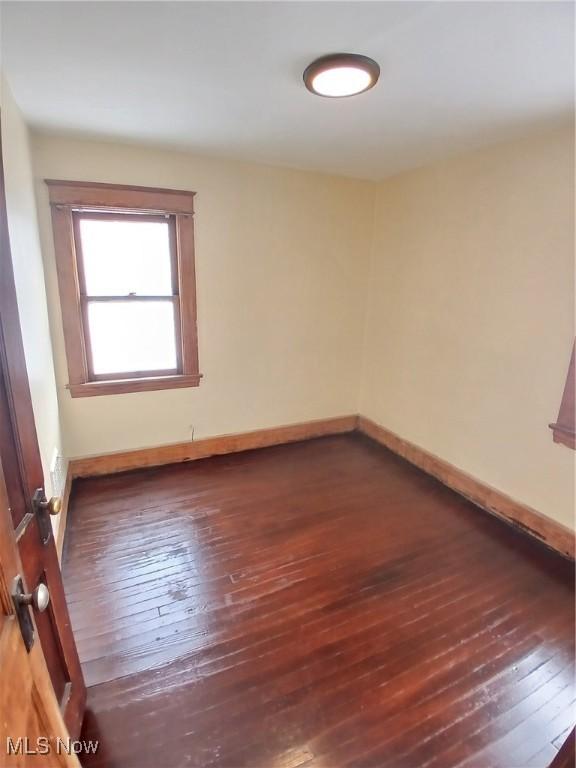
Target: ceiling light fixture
{"type": "Point", "coordinates": [341, 74]}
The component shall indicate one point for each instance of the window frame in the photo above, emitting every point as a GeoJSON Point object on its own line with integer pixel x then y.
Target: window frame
{"type": "Point", "coordinates": [564, 428]}
{"type": "Point", "coordinates": [70, 201]}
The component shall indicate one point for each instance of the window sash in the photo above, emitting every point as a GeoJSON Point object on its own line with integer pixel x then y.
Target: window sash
{"type": "Point", "coordinates": [80, 214]}
{"type": "Point", "coordinates": [174, 300]}
{"type": "Point", "coordinates": [85, 299]}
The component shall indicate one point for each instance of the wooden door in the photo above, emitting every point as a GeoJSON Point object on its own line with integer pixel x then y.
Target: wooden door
{"type": "Point", "coordinates": [20, 457]}
{"type": "Point", "coordinates": [32, 730]}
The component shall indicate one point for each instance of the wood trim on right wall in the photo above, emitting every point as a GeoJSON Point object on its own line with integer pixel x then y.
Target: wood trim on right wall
{"type": "Point", "coordinates": [564, 429]}
{"type": "Point", "coordinates": [555, 535]}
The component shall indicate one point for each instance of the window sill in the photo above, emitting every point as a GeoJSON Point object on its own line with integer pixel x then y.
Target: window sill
{"type": "Point", "coordinates": [125, 386]}
{"type": "Point", "coordinates": [564, 435]}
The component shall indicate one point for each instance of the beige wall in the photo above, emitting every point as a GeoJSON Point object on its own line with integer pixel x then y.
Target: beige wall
{"type": "Point", "coordinates": [460, 344]}
{"type": "Point", "coordinates": [282, 259]}
{"type": "Point", "coordinates": [29, 279]}
{"type": "Point", "coordinates": [471, 314]}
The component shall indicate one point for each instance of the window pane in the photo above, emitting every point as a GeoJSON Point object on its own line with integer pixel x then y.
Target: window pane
{"type": "Point", "coordinates": [130, 336]}
{"type": "Point", "coordinates": [122, 257]}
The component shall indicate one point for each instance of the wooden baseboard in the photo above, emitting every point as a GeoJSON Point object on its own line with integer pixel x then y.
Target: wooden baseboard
{"type": "Point", "coordinates": [64, 513]}
{"type": "Point", "coordinates": [210, 446]}
{"type": "Point", "coordinates": [555, 535]}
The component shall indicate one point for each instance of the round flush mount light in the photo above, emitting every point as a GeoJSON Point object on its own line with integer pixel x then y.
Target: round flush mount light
{"type": "Point", "coordinates": [341, 74]}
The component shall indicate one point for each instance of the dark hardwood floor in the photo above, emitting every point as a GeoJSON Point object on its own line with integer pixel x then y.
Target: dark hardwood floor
{"type": "Point", "coordinates": [321, 604]}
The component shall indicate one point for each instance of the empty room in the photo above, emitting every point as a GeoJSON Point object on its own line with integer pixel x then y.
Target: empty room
{"type": "Point", "coordinates": [287, 388]}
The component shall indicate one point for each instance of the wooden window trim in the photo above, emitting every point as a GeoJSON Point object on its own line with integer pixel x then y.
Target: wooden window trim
{"type": "Point", "coordinates": [69, 201]}
{"type": "Point", "coordinates": [564, 428]}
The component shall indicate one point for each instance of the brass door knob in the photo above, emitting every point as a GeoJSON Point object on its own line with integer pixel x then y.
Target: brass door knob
{"type": "Point", "coordinates": [54, 506]}
{"type": "Point", "coordinates": [38, 599]}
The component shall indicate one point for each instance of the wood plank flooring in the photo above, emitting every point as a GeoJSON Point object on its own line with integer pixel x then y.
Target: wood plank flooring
{"type": "Point", "coordinates": [315, 605]}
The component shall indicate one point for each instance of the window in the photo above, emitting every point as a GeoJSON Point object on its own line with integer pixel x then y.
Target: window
{"type": "Point", "coordinates": [564, 430]}
{"type": "Point", "coordinates": [125, 262]}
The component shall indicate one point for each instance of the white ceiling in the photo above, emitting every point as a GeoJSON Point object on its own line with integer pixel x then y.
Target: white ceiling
{"type": "Point", "coordinates": [225, 78]}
